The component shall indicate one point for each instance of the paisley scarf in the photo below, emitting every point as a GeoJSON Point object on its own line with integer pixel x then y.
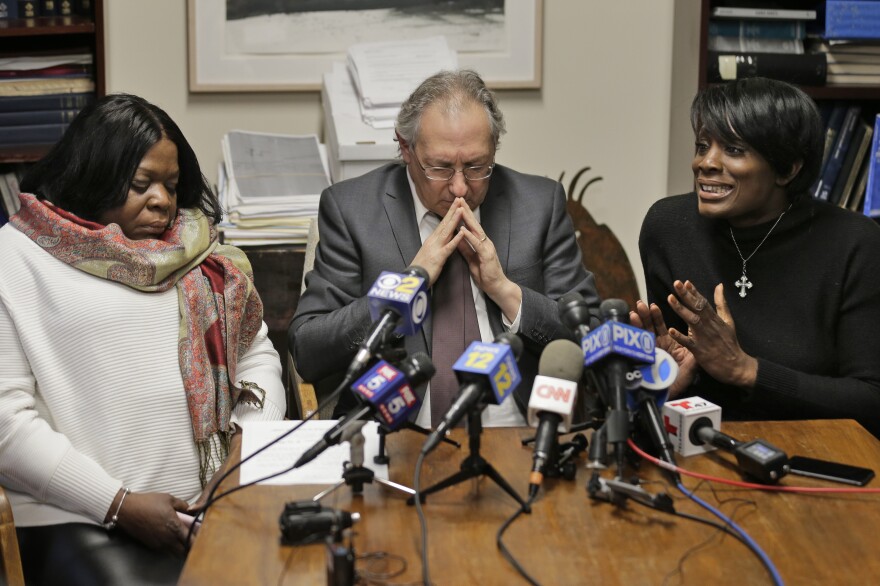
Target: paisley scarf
{"type": "Point", "coordinates": [220, 310]}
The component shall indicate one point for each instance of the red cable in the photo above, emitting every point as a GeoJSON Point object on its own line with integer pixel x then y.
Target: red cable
{"type": "Point", "coordinates": [795, 489]}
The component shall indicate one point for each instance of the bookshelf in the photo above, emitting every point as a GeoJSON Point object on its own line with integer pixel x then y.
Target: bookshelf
{"type": "Point", "coordinates": [867, 97]}
{"type": "Point", "coordinates": [57, 34]}
{"type": "Point", "coordinates": [827, 92]}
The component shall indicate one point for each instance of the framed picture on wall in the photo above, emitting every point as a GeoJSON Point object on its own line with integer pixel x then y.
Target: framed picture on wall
{"type": "Point", "coordinates": [287, 45]}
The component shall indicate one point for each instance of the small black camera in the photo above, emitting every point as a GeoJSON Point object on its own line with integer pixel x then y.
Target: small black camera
{"type": "Point", "coordinates": [304, 522]}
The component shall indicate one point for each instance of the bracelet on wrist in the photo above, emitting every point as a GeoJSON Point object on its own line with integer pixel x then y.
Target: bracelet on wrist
{"type": "Point", "coordinates": [115, 518]}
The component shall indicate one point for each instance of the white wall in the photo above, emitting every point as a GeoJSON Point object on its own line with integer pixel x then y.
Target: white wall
{"type": "Point", "coordinates": [605, 101]}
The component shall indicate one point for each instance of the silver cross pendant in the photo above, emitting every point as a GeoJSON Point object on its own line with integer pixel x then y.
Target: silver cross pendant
{"type": "Point", "coordinates": [743, 284]}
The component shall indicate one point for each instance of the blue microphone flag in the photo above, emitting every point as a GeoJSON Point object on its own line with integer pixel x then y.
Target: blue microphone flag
{"type": "Point", "coordinates": [388, 390]}
{"type": "Point", "coordinates": [405, 294]}
{"type": "Point", "coordinates": [620, 339]}
{"type": "Point", "coordinates": [494, 361]}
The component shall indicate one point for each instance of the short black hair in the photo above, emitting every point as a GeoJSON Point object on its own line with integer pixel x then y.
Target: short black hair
{"type": "Point", "coordinates": [89, 171]}
{"type": "Point", "coordinates": [775, 118]}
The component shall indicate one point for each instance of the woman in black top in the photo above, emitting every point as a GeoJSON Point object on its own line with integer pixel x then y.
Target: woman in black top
{"type": "Point", "coordinates": [794, 331]}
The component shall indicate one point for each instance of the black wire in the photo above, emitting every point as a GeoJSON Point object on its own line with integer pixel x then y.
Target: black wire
{"type": "Point", "coordinates": [212, 499]}
{"type": "Point", "coordinates": [679, 570]}
{"type": "Point", "coordinates": [723, 528]}
{"type": "Point", "coordinates": [505, 552]}
{"type": "Point", "coordinates": [369, 576]}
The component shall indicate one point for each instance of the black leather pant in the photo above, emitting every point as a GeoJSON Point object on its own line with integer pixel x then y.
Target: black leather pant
{"type": "Point", "coordinates": [88, 555]}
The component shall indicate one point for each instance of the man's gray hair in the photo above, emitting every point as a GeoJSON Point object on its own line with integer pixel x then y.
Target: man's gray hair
{"type": "Point", "coordinates": [453, 90]}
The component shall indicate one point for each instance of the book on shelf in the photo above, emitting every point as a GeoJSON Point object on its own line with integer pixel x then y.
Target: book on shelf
{"type": "Point", "coordinates": [47, 7]}
{"type": "Point", "coordinates": [762, 13]}
{"type": "Point", "coordinates": [835, 119]}
{"type": "Point", "coordinates": [849, 170]}
{"type": "Point", "coordinates": [854, 68]}
{"type": "Point", "coordinates": [842, 60]}
{"type": "Point", "coordinates": [53, 85]}
{"type": "Point", "coordinates": [871, 206]}
{"type": "Point", "coordinates": [755, 45]}
{"type": "Point", "coordinates": [27, 8]}
{"type": "Point", "coordinates": [847, 48]}
{"type": "Point", "coordinates": [823, 187]}
{"type": "Point", "coordinates": [28, 117]}
{"type": "Point", "coordinates": [806, 69]}
{"type": "Point", "coordinates": [857, 198]}
{"type": "Point", "coordinates": [852, 79]}
{"type": "Point", "coordinates": [8, 9]}
{"type": "Point", "coordinates": [67, 70]}
{"type": "Point", "coordinates": [65, 101]}
{"type": "Point", "coordinates": [758, 29]}
{"type": "Point", "coordinates": [83, 7]}
{"type": "Point", "coordinates": [31, 134]}
{"type": "Point", "coordinates": [852, 19]}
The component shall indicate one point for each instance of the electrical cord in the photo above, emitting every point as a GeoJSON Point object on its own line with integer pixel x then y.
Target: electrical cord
{"type": "Point", "coordinates": [752, 485]}
{"type": "Point", "coordinates": [505, 552]}
{"type": "Point", "coordinates": [751, 543]}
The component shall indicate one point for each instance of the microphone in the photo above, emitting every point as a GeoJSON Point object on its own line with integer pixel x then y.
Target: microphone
{"type": "Point", "coordinates": [482, 368]}
{"type": "Point", "coordinates": [617, 345]}
{"type": "Point", "coordinates": [646, 400]}
{"type": "Point", "coordinates": [385, 393]}
{"type": "Point", "coordinates": [679, 417]}
{"type": "Point", "coordinates": [551, 402]}
{"type": "Point", "coordinates": [576, 315]}
{"type": "Point", "coordinates": [694, 422]}
{"type": "Point", "coordinates": [398, 303]}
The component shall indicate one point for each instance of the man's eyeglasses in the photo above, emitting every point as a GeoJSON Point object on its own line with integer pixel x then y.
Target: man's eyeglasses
{"type": "Point", "coordinates": [475, 173]}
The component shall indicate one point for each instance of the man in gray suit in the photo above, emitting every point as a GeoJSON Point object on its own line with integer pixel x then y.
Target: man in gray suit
{"type": "Point", "coordinates": [448, 198]}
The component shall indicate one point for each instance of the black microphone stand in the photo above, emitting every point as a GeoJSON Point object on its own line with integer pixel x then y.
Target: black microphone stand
{"type": "Point", "coordinates": [382, 456]}
{"type": "Point", "coordinates": [474, 465]}
{"type": "Point", "coordinates": [355, 474]}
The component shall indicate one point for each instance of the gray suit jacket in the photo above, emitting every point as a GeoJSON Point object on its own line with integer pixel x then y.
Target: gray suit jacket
{"type": "Point", "coordinates": [368, 225]}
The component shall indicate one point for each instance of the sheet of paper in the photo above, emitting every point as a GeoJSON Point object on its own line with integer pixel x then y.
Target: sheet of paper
{"type": "Point", "coordinates": [325, 469]}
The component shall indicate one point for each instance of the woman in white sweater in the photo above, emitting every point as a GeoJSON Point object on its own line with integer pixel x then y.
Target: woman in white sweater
{"type": "Point", "coordinates": [132, 343]}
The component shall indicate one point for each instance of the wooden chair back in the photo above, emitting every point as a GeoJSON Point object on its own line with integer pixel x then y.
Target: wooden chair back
{"type": "Point", "coordinates": [602, 252]}
{"type": "Point", "coordinates": [9, 554]}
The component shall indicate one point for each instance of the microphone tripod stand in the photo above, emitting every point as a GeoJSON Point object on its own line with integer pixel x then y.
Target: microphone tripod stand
{"type": "Point", "coordinates": [382, 456]}
{"type": "Point", "coordinates": [354, 473]}
{"type": "Point", "coordinates": [474, 465]}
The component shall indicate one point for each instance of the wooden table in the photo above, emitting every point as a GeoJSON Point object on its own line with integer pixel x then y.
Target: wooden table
{"type": "Point", "coordinates": [570, 538]}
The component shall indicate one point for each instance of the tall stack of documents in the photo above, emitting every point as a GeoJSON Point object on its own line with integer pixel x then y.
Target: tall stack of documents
{"type": "Point", "coordinates": [353, 146]}
{"type": "Point", "coordinates": [385, 74]}
{"type": "Point", "coordinates": [269, 186]}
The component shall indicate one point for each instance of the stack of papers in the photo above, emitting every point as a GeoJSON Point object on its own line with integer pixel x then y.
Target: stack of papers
{"type": "Point", "coordinates": [385, 74]}
{"type": "Point", "coordinates": [269, 186]}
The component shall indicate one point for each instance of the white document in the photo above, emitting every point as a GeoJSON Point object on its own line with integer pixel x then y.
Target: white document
{"type": "Point", "coordinates": [385, 73]}
{"type": "Point", "coordinates": [273, 168]}
{"type": "Point", "coordinates": [325, 469]}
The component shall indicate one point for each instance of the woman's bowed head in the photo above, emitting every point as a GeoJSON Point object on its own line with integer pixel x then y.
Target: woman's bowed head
{"type": "Point", "coordinates": [120, 213]}
{"type": "Point", "coordinates": [124, 161]}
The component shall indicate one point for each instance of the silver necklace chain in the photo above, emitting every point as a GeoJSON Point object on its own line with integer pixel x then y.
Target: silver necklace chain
{"type": "Point", "coordinates": [743, 284]}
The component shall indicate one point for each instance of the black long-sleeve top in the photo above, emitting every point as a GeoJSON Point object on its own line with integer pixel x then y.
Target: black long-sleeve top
{"type": "Point", "coordinates": [812, 317]}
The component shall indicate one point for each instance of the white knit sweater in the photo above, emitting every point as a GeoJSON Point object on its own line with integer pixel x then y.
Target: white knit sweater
{"type": "Point", "coordinates": [91, 395]}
